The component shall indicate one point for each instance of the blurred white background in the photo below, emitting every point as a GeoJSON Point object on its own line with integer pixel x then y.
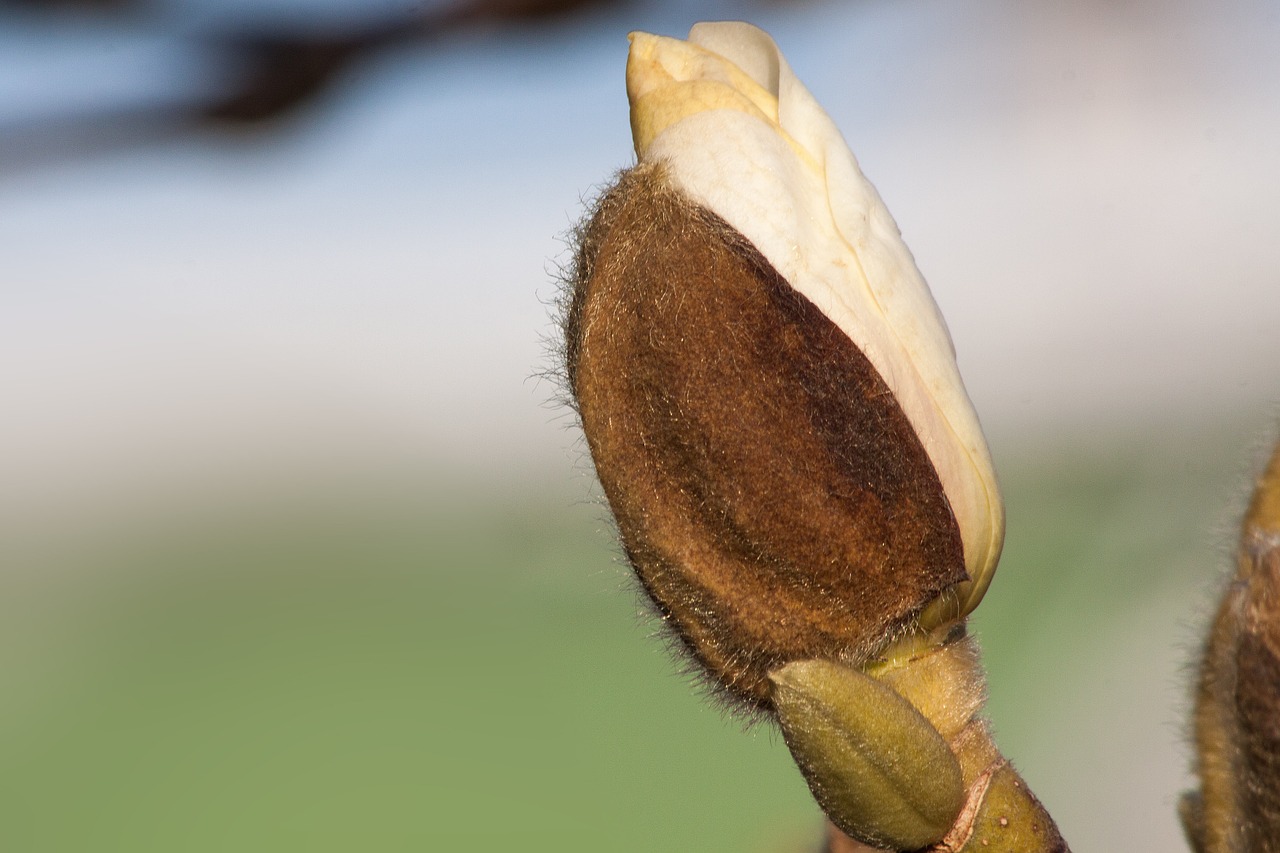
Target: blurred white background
{"type": "Point", "coordinates": [1091, 189]}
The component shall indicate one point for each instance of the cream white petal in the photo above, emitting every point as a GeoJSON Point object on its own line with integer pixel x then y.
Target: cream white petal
{"type": "Point", "coordinates": [743, 137]}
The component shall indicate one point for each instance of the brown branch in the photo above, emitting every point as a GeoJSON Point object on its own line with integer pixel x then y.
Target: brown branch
{"type": "Point", "coordinates": [276, 74]}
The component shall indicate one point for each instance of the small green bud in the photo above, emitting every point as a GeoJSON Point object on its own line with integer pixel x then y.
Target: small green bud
{"type": "Point", "coordinates": [879, 769]}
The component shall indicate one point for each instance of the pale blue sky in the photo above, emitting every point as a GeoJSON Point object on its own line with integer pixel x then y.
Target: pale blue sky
{"type": "Point", "coordinates": [1093, 194]}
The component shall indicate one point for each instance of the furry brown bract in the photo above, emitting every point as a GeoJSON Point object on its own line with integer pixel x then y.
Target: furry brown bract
{"type": "Point", "coordinates": [1237, 716]}
{"type": "Point", "coordinates": [771, 495]}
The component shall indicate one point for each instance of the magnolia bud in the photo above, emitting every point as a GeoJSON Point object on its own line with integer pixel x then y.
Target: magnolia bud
{"type": "Point", "coordinates": [767, 389]}
{"type": "Point", "coordinates": [743, 138]}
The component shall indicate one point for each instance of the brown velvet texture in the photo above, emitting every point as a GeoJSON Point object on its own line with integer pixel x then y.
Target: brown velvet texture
{"type": "Point", "coordinates": [1237, 718]}
{"type": "Point", "coordinates": [1258, 701]}
{"type": "Point", "coordinates": [770, 493]}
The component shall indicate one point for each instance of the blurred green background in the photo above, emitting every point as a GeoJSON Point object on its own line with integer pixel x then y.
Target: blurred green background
{"type": "Point", "coordinates": [409, 664]}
